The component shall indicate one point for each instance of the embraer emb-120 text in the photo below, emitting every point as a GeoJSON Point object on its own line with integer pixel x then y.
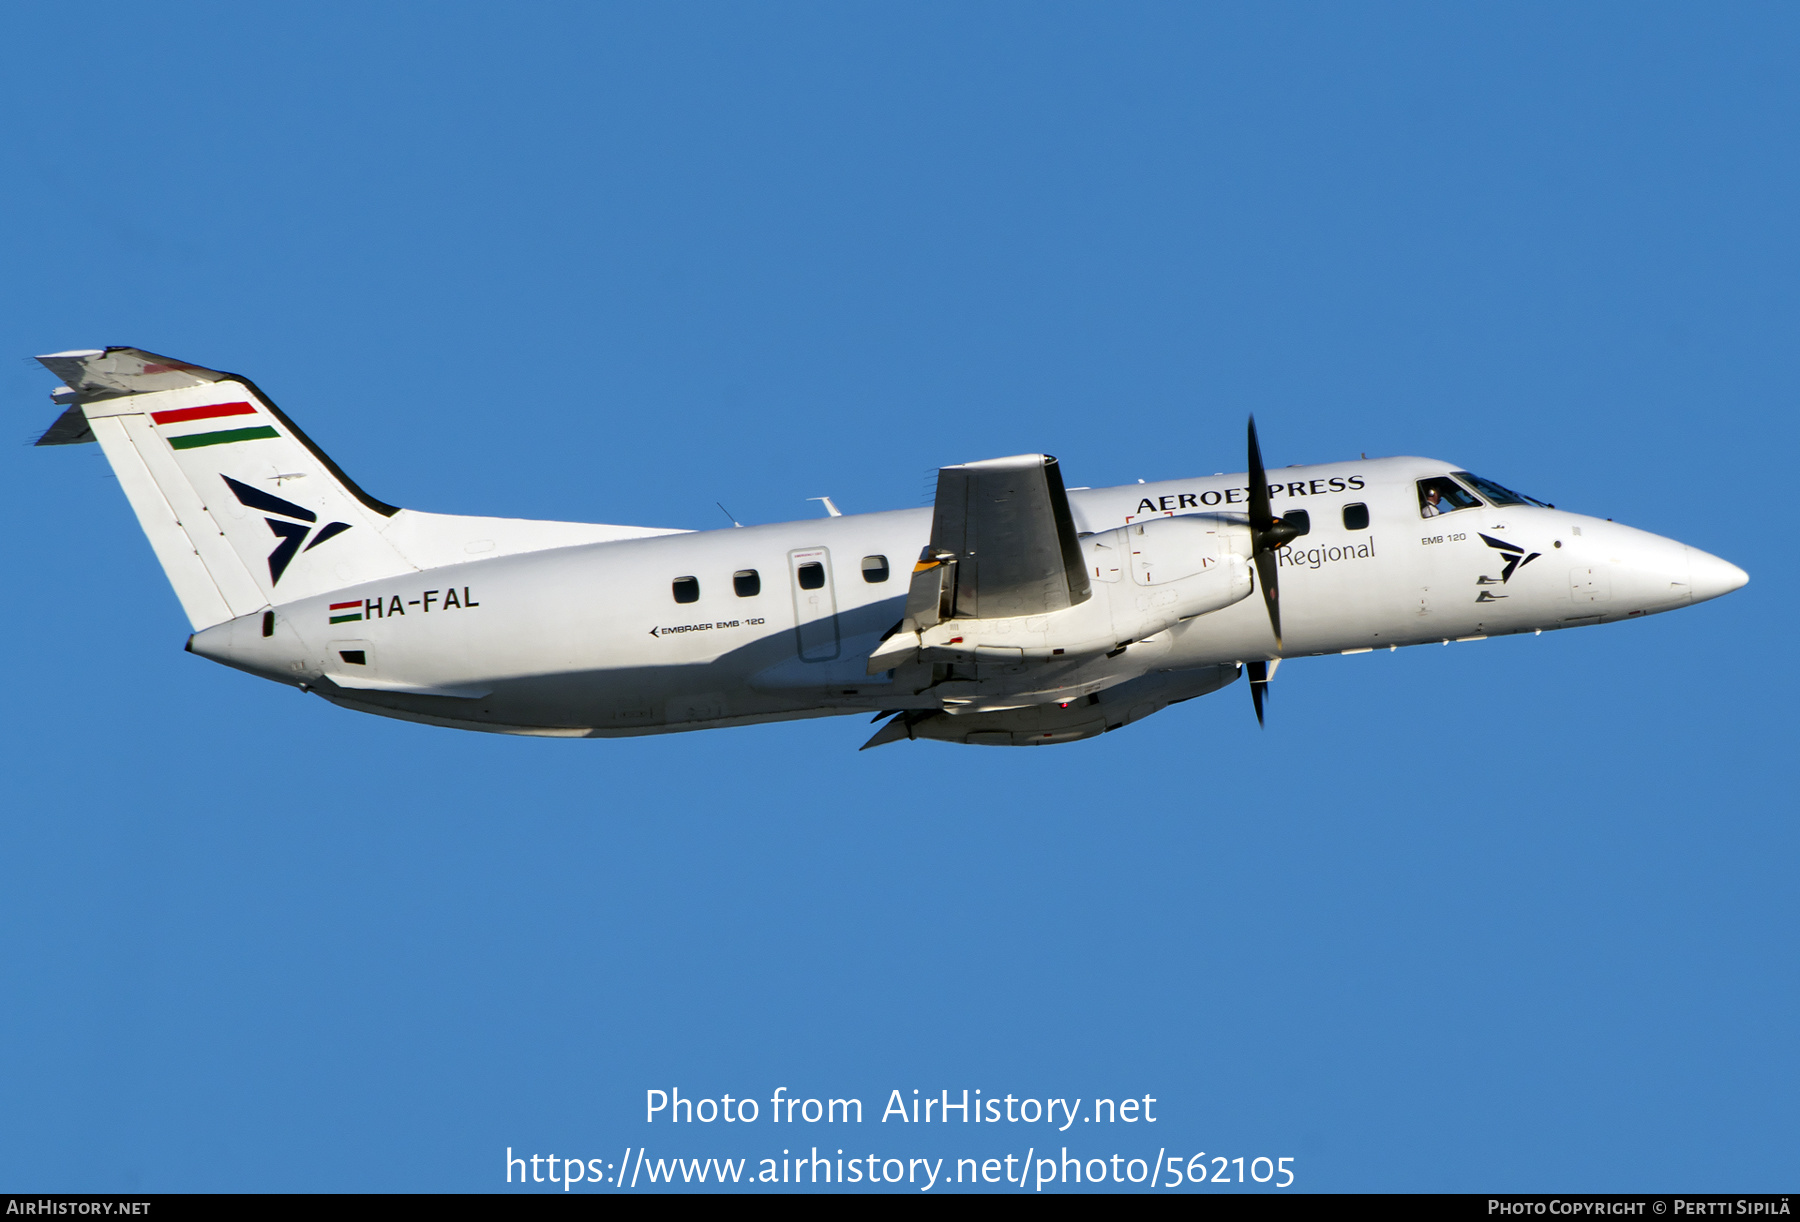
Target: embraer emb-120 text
{"type": "Point", "coordinates": [1014, 613]}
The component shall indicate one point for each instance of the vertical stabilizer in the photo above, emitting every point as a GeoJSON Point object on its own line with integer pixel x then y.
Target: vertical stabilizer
{"type": "Point", "coordinates": [243, 511]}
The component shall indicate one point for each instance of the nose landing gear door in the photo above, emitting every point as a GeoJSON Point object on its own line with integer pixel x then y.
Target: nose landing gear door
{"type": "Point", "coordinates": [815, 603]}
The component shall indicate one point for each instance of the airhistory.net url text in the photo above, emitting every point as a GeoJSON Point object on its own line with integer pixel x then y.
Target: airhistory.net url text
{"type": "Point", "coordinates": [637, 1169]}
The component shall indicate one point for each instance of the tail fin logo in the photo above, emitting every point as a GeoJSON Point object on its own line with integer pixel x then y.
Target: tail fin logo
{"type": "Point", "coordinates": [293, 535]}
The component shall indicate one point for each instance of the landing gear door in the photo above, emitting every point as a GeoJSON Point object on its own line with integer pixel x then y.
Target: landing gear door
{"type": "Point", "coordinates": [815, 603]}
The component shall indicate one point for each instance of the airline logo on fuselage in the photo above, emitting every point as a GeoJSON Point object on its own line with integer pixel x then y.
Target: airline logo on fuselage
{"type": "Point", "coordinates": [1516, 558]}
{"type": "Point", "coordinates": [1178, 501]}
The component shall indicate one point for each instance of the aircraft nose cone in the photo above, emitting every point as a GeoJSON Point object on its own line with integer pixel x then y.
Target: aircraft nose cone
{"type": "Point", "coordinates": [1710, 576]}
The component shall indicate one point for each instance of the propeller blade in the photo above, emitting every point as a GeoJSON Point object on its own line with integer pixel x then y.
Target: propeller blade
{"type": "Point", "coordinates": [1266, 564]}
{"type": "Point", "coordinates": [1268, 534]}
{"type": "Point", "coordinates": [1262, 516]}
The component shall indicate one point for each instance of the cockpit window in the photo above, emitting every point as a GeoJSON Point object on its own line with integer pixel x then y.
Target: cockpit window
{"type": "Point", "coordinates": [1440, 496]}
{"type": "Point", "coordinates": [1495, 493]}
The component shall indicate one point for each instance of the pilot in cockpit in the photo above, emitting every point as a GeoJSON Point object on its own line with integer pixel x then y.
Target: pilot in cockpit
{"type": "Point", "coordinates": [1440, 496]}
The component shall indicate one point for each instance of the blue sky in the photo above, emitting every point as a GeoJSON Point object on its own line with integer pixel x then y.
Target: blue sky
{"type": "Point", "coordinates": [1501, 916]}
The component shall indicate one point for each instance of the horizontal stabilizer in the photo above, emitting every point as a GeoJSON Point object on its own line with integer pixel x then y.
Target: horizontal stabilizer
{"type": "Point", "coordinates": [92, 374]}
{"type": "Point", "coordinates": [71, 429]}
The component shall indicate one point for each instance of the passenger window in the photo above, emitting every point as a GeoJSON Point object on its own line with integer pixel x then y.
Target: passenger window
{"type": "Point", "coordinates": [747, 583]}
{"type": "Point", "coordinates": [687, 589]}
{"type": "Point", "coordinates": [1299, 519]}
{"type": "Point", "coordinates": [812, 575]}
{"type": "Point", "coordinates": [875, 569]}
{"type": "Point", "coordinates": [355, 657]}
{"type": "Point", "coordinates": [1443, 495]}
{"type": "Point", "coordinates": [1356, 517]}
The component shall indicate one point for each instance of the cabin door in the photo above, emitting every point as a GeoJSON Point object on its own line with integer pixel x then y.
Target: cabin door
{"type": "Point", "coordinates": [815, 603]}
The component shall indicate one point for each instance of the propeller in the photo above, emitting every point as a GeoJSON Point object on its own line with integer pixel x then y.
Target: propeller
{"type": "Point", "coordinates": [1268, 535]}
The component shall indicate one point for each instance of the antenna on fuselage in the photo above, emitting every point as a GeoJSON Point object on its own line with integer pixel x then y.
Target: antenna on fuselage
{"type": "Point", "coordinates": [830, 508]}
{"type": "Point", "coordinates": [727, 513]}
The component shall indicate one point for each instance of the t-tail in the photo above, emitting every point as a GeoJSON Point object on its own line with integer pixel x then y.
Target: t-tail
{"type": "Point", "coordinates": [243, 510]}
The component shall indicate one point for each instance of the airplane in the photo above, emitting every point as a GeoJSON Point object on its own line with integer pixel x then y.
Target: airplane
{"type": "Point", "coordinates": [1014, 612]}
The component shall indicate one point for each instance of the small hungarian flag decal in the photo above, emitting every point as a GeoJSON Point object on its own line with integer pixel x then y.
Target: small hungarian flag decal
{"type": "Point", "coordinates": [351, 611]}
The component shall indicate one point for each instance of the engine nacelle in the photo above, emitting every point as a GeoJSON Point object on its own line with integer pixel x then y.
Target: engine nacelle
{"type": "Point", "coordinates": [1157, 573]}
{"type": "Point", "coordinates": [1144, 578]}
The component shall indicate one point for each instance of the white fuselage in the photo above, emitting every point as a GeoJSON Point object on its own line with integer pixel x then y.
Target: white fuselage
{"type": "Point", "coordinates": [589, 640]}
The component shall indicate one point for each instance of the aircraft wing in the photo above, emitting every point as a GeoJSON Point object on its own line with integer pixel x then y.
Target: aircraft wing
{"type": "Point", "coordinates": [1003, 544]}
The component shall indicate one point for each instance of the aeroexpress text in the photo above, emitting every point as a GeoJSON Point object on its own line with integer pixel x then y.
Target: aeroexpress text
{"type": "Point", "coordinates": [1241, 496]}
